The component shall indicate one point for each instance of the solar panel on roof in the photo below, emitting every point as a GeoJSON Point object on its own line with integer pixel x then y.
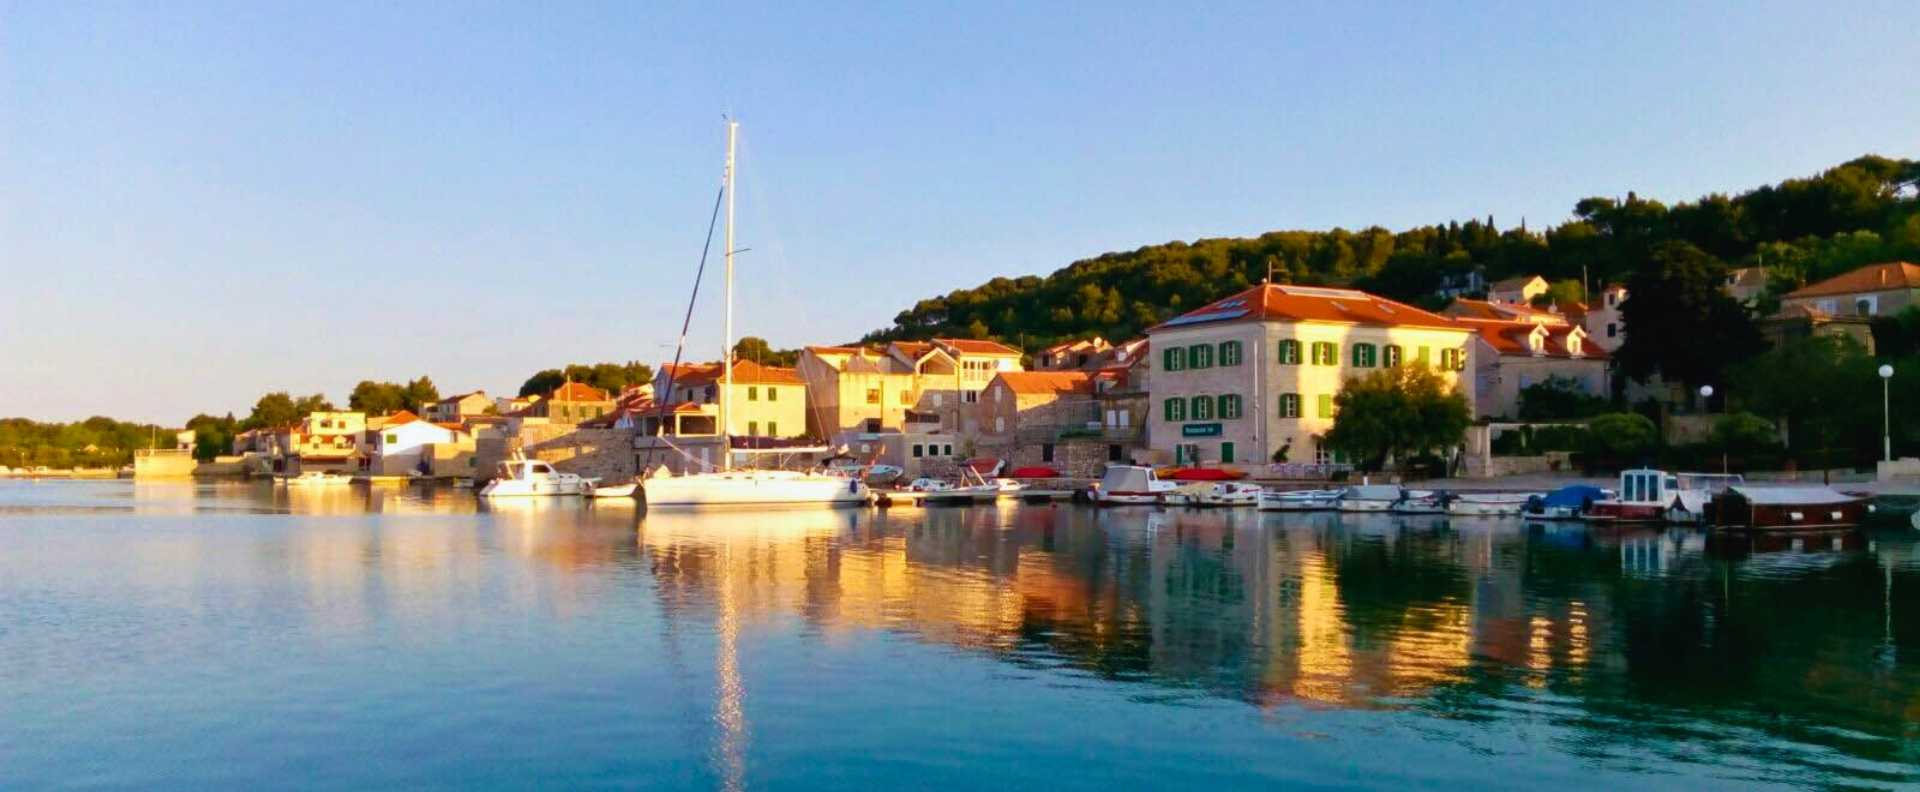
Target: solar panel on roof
{"type": "Point", "coordinates": [1210, 316]}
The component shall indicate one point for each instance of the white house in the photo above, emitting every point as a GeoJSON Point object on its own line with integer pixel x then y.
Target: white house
{"type": "Point", "coordinates": [399, 447]}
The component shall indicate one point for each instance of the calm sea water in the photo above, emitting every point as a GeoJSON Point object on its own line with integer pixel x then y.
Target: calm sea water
{"type": "Point", "coordinates": [233, 636]}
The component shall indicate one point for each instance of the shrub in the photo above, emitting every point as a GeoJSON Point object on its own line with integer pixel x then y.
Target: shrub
{"type": "Point", "coordinates": [1619, 438]}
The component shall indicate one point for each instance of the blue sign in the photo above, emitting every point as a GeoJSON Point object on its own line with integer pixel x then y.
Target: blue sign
{"type": "Point", "coordinates": [1200, 430]}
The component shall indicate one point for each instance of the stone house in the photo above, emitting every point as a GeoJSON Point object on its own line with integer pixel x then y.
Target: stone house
{"type": "Point", "coordinates": [323, 441]}
{"type": "Point", "coordinates": [871, 389]}
{"type": "Point", "coordinates": [400, 446]}
{"type": "Point", "coordinates": [1511, 356]}
{"type": "Point", "coordinates": [1517, 291]}
{"type": "Point", "coordinates": [571, 403]}
{"type": "Point", "coordinates": [763, 401]}
{"type": "Point", "coordinates": [1870, 291]}
{"type": "Point", "coordinates": [1241, 378]}
{"type": "Point", "coordinates": [456, 409]}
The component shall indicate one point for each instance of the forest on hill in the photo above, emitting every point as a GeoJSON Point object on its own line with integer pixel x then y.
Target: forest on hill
{"type": "Point", "coordinates": [1801, 230]}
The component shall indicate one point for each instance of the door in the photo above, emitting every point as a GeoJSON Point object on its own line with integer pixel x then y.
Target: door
{"type": "Point", "coordinates": [1226, 452]}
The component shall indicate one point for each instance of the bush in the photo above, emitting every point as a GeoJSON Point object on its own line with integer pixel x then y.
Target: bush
{"type": "Point", "coordinates": [1618, 439]}
{"type": "Point", "coordinates": [1744, 433]}
{"type": "Point", "coordinates": [1557, 399]}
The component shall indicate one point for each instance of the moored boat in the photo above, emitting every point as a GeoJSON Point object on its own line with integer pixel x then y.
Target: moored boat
{"type": "Point", "coordinates": [1223, 493]}
{"type": "Point", "coordinates": [1566, 503]}
{"type": "Point", "coordinates": [627, 490]}
{"type": "Point", "coordinates": [1656, 496]}
{"type": "Point", "coordinates": [1300, 500]}
{"type": "Point", "coordinates": [1370, 497]}
{"type": "Point", "coordinates": [1793, 508]}
{"type": "Point", "coordinates": [316, 478]}
{"type": "Point", "coordinates": [1124, 485]}
{"type": "Point", "coordinates": [530, 478]}
{"type": "Point", "coordinates": [753, 487]}
{"type": "Point", "coordinates": [1488, 504]}
{"type": "Point", "coordinates": [1419, 502]}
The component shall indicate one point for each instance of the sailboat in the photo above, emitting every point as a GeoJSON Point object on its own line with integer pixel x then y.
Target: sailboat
{"type": "Point", "coordinates": [746, 486]}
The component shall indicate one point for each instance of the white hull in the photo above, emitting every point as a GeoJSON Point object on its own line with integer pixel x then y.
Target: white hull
{"type": "Point", "coordinates": [523, 488]}
{"type": "Point", "coordinates": [1487, 505]}
{"type": "Point", "coordinates": [1356, 505]}
{"type": "Point", "coordinates": [1112, 499]}
{"type": "Point", "coordinates": [1300, 500]}
{"type": "Point", "coordinates": [750, 488]}
{"type": "Point", "coordinates": [618, 491]}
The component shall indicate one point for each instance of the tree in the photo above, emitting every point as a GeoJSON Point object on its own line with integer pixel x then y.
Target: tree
{"type": "Point", "coordinates": [1743, 433]}
{"type": "Point", "coordinates": [1897, 336]}
{"type": "Point", "coordinates": [1563, 293]}
{"type": "Point", "coordinates": [273, 410]}
{"type": "Point", "coordinates": [611, 377]}
{"type": "Point", "coordinates": [543, 382]}
{"type": "Point", "coordinates": [1396, 413]}
{"type": "Point", "coordinates": [311, 404]}
{"type": "Point", "coordinates": [1674, 305]}
{"type": "Point", "coordinates": [420, 393]}
{"type": "Point", "coordinates": [1558, 399]}
{"type": "Point", "coordinates": [377, 398]}
{"type": "Point", "coordinates": [1815, 386]}
{"type": "Point", "coordinates": [1618, 439]}
{"type": "Point", "coordinates": [757, 349]}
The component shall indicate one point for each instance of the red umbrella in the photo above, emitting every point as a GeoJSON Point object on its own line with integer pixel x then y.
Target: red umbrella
{"type": "Point", "coordinates": [1202, 474]}
{"type": "Point", "coordinates": [1034, 472]}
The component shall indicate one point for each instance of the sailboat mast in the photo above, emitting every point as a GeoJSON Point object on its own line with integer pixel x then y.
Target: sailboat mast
{"type": "Point", "coordinates": [726, 352]}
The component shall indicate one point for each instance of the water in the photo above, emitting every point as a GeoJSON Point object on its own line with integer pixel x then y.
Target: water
{"type": "Point", "coordinates": [228, 635]}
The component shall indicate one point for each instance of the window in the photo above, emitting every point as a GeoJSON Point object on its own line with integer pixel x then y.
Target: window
{"type": "Point", "coordinates": [753, 428]}
{"type": "Point", "coordinates": [1046, 452]}
{"type": "Point", "coordinates": [1363, 355]}
{"type": "Point", "coordinates": [999, 425]}
{"type": "Point", "coordinates": [753, 393]}
{"type": "Point", "coordinates": [1114, 452]}
{"type": "Point", "coordinates": [773, 429]}
{"type": "Point", "coordinates": [1200, 356]}
{"type": "Point", "coordinates": [1391, 355]}
{"type": "Point", "coordinates": [873, 395]}
{"type": "Point", "coordinates": [1229, 406]}
{"type": "Point", "coordinates": [906, 397]}
{"type": "Point", "coordinates": [1864, 306]}
{"type": "Point", "coordinates": [1452, 360]}
{"type": "Point", "coordinates": [1323, 405]}
{"type": "Point", "coordinates": [936, 400]}
{"type": "Point", "coordinates": [918, 451]}
{"type": "Point", "coordinates": [1201, 408]}
{"type": "Point", "coordinates": [970, 397]}
{"type": "Point", "coordinates": [1423, 356]}
{"type": "Point", "coordinates": [1230, 353]}
{"type": "Point", "coordinates": [1611, 330]}
{"type": "Point", "coordinates": [1290, 352]}
{"type": "Point", "coordinates": [773, 393]}
{"type": "Point", "coordinates": [1289, 405]}
{"type": "Point", "coordinates": [1326, 353]}
{"type": "Point", "coordinates": [946, 450]}
{"type": "Point", "coordinates": [392, 438]}
{"type": "Point", "coordinates": [1174, 409]}
{"type": "Point", "coordinates": [1174, 359]}
{"type": "Point", "coordinates": [873, 426]}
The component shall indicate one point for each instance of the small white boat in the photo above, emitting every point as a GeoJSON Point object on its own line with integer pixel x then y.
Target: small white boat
{"type": "Point", "coordinates": [1009, 488]}
{"type": "Point", "coordinates": [1370, 497]}
{"type": "Point", "coordinates": [1216, 493]}
{"type": "Point", "coordinates": [316, 478]}
{"type": "Point", "coordinates": [1419, 502]}
{"type": "Point", "coordinates": [753, 486]}
{"type": "Point", "coordinates": [1489, 504]}
{"type": "Point", "coordinates": [627, 490]}
{"type": "Point", "coordinates": [1300, 500]}
{"type": "Point", "coordinates": [524, 478]}
{"type": "Point", "coordinates": [924, 484]}
{"type": "Point", "coordinates": [1124, 485]}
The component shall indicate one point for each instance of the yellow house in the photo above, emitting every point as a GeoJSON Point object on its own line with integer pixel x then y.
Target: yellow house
{"type": "Point", "coordinates": [871, 389]}
{"type": "Point", "coordinates": [1242, 378]}
{"type": "Point", "coordinates": [764, 401]}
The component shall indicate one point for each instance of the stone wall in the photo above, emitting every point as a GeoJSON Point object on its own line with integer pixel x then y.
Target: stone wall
{"type": "Point", "coordinates": [592, 452]}
{"type": "Point", "coordinates": [1077, 458]}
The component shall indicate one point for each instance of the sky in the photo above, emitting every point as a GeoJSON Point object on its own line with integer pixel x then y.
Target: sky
{"type": "Point", "coordinates": [201, 203]}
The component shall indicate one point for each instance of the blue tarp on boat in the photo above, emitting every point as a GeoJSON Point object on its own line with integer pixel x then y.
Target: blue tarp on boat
{"type": "Point", "coordinates": [1576, 495]}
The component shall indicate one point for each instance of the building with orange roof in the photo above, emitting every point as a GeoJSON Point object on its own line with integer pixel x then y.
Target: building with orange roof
{"type": "Point", "coordinates": [1513, 355]}
{"type": "Point", "coordinates": [458, 407]}
{"type": "Point", "coordinates": [763, 401]}
{"type": "Point", "coordinates": [1241, 378]}
{"type": "Point", "coordinates": [871, 389]}
{"type": "Point", "coordinates": [571, 403]}
{"type": "Point", "coordinates": [1874, 290]}
{"type": "Point", "coordinates": [402, 445]}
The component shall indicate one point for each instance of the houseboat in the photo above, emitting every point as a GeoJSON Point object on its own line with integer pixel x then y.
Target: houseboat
{"type": "Point", "coordinates": [1750, 508]}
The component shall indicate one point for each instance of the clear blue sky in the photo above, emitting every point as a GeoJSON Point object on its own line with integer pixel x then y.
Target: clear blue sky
{"type": "Point", "coordinates": [201, 203]}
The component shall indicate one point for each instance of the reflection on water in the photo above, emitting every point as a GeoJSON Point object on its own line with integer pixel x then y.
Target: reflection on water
{"type": "Point", "coordinates": [1505, 653]}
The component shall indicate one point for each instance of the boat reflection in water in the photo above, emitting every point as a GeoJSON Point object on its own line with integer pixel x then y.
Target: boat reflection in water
{"type": "Point", "coordinates": [1493, 621]}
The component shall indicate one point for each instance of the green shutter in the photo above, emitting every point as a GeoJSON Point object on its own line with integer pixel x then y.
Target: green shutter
{"type": "Point", "coordinates": [1174, 359]}
{"type": "Point", "coordinates": [1175, 409]}
{"type": "Point", "coordinates": [1202, 408]}
{"type": "Point", "coordinates": [1325, 405]}
{"type": "Point", "coordinates": [1290, 352]}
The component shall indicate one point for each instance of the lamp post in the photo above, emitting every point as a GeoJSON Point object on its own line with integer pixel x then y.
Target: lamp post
{"type": "Point", "coordinates": [1706, 392]}
{"type": "Point", "coordinates": [1886, 415]}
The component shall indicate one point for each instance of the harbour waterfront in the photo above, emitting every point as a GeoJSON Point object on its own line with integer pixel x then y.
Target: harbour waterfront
{"type": "Point", "coordinates": [187, 635]}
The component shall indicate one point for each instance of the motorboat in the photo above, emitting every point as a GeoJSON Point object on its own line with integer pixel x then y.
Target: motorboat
{"type": "Point", "coordinates": [1130, 485]}
{"type": "Point", "coordinates": [924, 484]}
{"type": "Point", "coordinates": [753, 487]}
{"type": "Point", "coordinates": [1488, 504]}
{"type": "Point", "coordinates": [1654, 496]}
{"type": "Point", "coordinates": [1566, 503]}
{"type": "Point", "coordinates": [317, 478]}
{"type": "Point", "coordinates": [1300, 500]}
{"type": "Point", "coordinates": [1220, 493]}
{"type": "Point", "coordinates": [530, 478]}
{"type": "Point", "coordinates": [1793, 508]}
{"type": "Point", "coordinates": [1419, 502]}
{"type": "Point", "coordinates": [1007, 487]}
{"type": "Point", "coordinates": [1370, 497]}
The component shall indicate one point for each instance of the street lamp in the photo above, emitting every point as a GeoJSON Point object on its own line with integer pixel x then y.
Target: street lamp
{"type": "Point", "coordinates": [1706, 392]}
{"type": "Point", "coordinates": [1886, 416]}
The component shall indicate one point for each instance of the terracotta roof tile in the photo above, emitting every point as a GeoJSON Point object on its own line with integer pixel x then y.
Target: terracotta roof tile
{"type": "Point", "coordinates": [1046, 382]}
{"type": "Point", "coordinates": [971, 346]}
{"type": "Point", "coordinates": [1276, 303]}
{"type": "Point", "coordinates": [579, 391]}
{"type": "Point", "coordinates": [1870, 278]}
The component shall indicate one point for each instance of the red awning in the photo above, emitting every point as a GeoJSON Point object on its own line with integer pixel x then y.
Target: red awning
{"type": "Point", "coordinates": [1202, 474]}
{"type": "Point", "coordinates": [1034, 472]}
